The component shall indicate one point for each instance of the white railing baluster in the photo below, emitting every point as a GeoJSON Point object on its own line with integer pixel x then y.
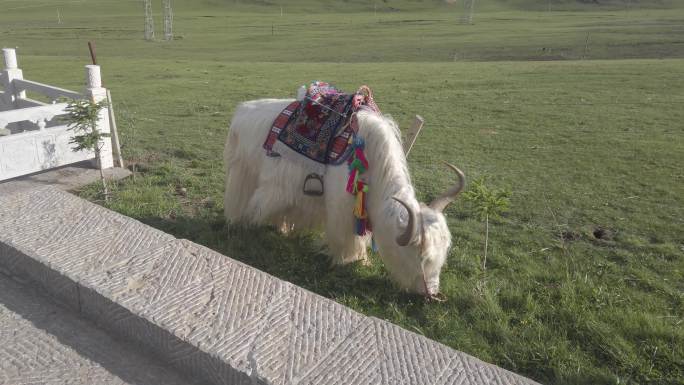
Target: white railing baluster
{"type": "Point", "coordinates": [96, 93]}
{"type": "Point", "coordinates": [10, 58]}
{"type": "Point", "coordinates": [9, 75]}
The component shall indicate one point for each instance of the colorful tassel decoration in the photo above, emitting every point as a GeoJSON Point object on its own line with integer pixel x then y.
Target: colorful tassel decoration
{"type": "Point", "coordinates": [358, 165]}
{"type": "Point", "coordinates": [351, 183]}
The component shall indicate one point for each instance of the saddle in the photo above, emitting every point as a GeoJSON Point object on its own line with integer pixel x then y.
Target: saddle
{"type": "Point", "coordinates": [317, 130]}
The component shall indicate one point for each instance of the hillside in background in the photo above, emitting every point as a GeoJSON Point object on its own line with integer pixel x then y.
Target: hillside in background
{"type": "Point", "coordinates": [425, 5]}
{"type": "Point", "coordinates": [353, 31]}
{"type": "Point", "coordinates": [587, 5]}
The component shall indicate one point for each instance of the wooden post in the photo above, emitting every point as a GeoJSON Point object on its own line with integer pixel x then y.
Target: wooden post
{"type": "Point", "coordinates": [116, 147]}
{"type": "Point", "coordinates": [91, 48]}
{"type": "Point", "coordinates": [413, 133]}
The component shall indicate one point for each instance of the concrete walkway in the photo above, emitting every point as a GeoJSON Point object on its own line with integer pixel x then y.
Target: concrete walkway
{"type": "Point", "coordinates": [73, 177]}
{"type": "Point", "coordinates": [212, 317]}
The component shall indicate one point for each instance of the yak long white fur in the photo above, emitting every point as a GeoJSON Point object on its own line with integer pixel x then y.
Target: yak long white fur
{"type": "Point", "coordinates": [267, 190]}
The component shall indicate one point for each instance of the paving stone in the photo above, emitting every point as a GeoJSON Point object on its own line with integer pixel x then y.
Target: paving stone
{"type": "Point", "coordinates": [7, 188]}
{"type": "Point", "coordinates": [55, 238]}
{"type": "Point", "coordinates": [44, 344]}
{"type": "Point", "coordinates": [215, 318]}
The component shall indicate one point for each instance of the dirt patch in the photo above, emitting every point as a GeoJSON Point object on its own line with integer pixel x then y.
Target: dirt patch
{"type": "Point", "coordinates": [602, 233]}
{"type": "Point", "coordinates": [142, 164]}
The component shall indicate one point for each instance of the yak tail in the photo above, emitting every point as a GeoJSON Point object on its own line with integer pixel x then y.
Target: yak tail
{"type": "Point", "coordinates": [240, 181]}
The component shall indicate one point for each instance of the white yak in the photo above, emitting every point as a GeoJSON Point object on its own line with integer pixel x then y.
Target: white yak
{"type": "Point", "coordinates": [412, 238]}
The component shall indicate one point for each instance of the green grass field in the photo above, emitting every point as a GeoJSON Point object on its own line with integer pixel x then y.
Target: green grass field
{"type": "Point", "coordinates": [578, 110]}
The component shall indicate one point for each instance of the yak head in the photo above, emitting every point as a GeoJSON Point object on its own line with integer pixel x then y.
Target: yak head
{"type": "Point", "coordinates": [422, 242]}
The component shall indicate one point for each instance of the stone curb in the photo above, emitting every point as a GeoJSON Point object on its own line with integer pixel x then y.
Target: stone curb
{"type": "Point", "coordinates": [212, 317]}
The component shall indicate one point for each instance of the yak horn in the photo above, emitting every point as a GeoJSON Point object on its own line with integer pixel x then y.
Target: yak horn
{"type": "Point", "coordinates": [408, 235]}
{"type": "Point", "coordinates": [442, 201]}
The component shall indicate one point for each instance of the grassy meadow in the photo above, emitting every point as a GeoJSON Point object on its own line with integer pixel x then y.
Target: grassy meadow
{"type": "Point", "coordinates": [578, 109]}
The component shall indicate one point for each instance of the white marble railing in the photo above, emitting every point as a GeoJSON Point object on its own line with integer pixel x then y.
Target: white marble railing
{"type": "Point", "coordinates": [53, 93]}
{"type": "Point", "coordinates": [3, 106]}
{"type": "Point", "coordinates": [15, 86]}
{"type": "Point", "coordinates": [39, 115]}
{"type": "Point", "coordinates": [32, 135]}
{"type": "Point", "coordinates": [27, 102]}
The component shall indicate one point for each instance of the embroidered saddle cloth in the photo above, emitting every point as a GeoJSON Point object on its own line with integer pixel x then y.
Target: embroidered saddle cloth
{"type": "Point", "coordinates": [316, 131]}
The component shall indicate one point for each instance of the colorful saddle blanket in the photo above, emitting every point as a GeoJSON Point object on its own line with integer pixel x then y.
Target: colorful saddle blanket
{"type": "Point", "coordinates": [317, 130]}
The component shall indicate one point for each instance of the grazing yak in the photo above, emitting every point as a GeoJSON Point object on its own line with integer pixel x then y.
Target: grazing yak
{"type": "Point", "coordinates": [412, 238]}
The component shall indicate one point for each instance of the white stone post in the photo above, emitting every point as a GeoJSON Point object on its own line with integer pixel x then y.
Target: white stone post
{"type": "Point", "coordinates": [10, 73]}
{"type": "Point", "coordinates": [96, 93]}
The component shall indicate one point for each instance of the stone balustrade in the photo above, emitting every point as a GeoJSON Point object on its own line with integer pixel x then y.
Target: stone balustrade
{"type": "Point", "coordinates": [33, 135]}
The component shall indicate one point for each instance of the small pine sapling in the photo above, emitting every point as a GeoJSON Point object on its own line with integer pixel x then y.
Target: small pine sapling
{"type": "Point", "coordinates": [487, 203]}
{"type": "Point", "coordinates": [82, 118]}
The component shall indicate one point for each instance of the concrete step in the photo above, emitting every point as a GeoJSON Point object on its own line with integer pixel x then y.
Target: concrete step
{"type": "Point", "coordinates": [44, 344]}
{"type": "Point", "coordinates": [74, 176]}
{"type": "Point", "coordinates": [213, 317]}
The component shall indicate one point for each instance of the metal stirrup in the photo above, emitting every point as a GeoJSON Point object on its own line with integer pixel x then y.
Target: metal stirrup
{"type": "Point", "coordinates": [313, 192]}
